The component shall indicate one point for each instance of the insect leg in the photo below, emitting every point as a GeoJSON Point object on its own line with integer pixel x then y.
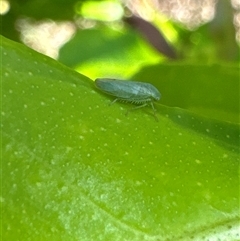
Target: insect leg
{"type": "Point", "coordinates": [154, 111]}
{"type": "Point", "coordinates": [134, 108]}
{"type": "Point", "coordinates": [111, 103]}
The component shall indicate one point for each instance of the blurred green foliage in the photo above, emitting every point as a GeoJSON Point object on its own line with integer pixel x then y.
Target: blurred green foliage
{"type": "Point", "coordinates": [114, 54]}
{"type": "Point", "coordinates": [212, 42]}
{"type": "Point", "coordinates": [36, 9]}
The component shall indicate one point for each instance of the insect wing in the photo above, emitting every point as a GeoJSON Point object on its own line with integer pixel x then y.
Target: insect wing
{"type": "Point", "coordinates": [111, 87]}
{"type": "Point", "coordinates": [128, 90]}
{"type": "Point", "coordinates": [145, 91]}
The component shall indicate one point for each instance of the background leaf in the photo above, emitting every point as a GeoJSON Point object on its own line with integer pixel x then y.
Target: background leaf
{"type": "Point", "coordinates": [123, 52]}
{"type": "Point", "coordinates": [76, 169]}
{"type": "Point", "coordinates": [208, 90]}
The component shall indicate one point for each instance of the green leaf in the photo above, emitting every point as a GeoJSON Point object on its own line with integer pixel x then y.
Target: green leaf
{"type": "Point", "coordinates": [74, 168]}
{"type": "Point", "coordinates": [114, 54]}
{"type": "Point", "coordinates": [208, 90]}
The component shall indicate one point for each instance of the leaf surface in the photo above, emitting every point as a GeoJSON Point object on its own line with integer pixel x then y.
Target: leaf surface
{"type": "Point", "coordinates": [74, 168]}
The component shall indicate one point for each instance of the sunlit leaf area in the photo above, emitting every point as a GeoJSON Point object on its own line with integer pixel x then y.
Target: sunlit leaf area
{"type": "Point", "coordinates": [153, 156]}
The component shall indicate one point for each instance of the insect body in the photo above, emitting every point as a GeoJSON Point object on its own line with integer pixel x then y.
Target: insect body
{"type": "Point", "coordinates": [138, 93]}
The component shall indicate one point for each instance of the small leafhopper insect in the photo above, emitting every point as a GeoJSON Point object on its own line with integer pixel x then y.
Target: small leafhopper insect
{"type": "Point", "coordinates": [139, 93]}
